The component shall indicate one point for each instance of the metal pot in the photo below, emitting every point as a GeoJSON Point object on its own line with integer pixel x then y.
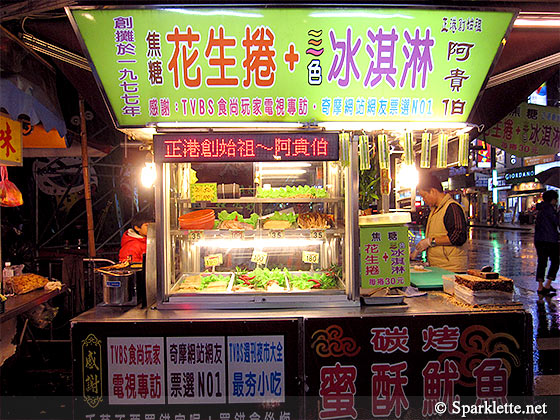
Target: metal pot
{"type": "Point", "coordinates": [119, 288]}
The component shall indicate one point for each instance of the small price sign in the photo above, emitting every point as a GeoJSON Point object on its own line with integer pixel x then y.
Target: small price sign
{"type": "Point", "coordinates": [259, 257]}
{"type": "Point", "coordinates": [276, 234]}
{"type": "Point", "coordinates": [317, 234]}
{"type": "Point", "coordinates": [310, 257]}
{"type": "Point", "coordinates": [237, 234]}
{"type": "Point", "coordinates": [213, 260]}
{"type": "Point", "coordinates": [195, 235]}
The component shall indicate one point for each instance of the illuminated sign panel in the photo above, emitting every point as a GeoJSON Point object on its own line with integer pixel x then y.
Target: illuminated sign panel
{"type": "Point", "coordinates": [242, 147]}
{"type": "Point", "coordinates": [290, 64]}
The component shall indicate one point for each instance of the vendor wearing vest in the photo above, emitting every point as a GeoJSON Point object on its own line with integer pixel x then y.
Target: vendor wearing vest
{"type": "Point", "coordinates": [446, 230]}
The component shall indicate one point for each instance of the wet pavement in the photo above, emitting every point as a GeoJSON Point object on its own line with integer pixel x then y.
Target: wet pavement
{"type": "Point", "coordinates": [512, 254]}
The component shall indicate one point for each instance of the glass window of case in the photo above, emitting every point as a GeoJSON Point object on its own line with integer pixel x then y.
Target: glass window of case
{"type": "Point", "coordinates": [267, 227]}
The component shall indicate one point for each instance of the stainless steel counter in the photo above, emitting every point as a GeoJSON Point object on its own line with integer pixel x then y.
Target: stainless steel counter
{"type": "Point", "coordinates": [433, 303]}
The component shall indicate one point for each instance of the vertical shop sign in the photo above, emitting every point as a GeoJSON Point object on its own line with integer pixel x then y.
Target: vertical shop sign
{"type": "Point", "coordinates": [10, 142]}
{"type": "Point", "coordinates": [135, 370]}
{"type": "Point", "coordinates": [196, 370]}
{"type": "Point", "coordinates": [92, 371]}
{"type": "Point", "coordinates": [256, 369]}
{"type": "Point", "coordinates": [384, 256]}
{"type": "Point", "coordinates": [425, 155]}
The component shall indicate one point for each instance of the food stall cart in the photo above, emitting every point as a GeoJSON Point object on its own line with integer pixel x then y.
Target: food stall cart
{"type": "Point", "coordinates": [256, 118]}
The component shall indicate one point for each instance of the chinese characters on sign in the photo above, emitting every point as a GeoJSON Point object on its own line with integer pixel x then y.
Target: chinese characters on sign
{"type": "Point", "coordinates": [135, 370]}
{"type": "Point", "coordinates": [220, 66]}
{"type": "Point", "coordinates": [384, 256]}
{"type": "Point", "coordinates": [245, 147]}
{"type": "Point", "coordinates": [10, 142]}
{"type": "Point", "coordinates": [256, 369]}
{"type": "Point", "coordinates": [529, 130]}
{"type": "Point", "coordinates": [196, 370]}
{"type": "Point", "coordinates": [405, 361]}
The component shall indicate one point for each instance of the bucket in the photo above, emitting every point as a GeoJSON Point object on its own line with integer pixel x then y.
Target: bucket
{"type": "Point", "coordinates": [118, 289]}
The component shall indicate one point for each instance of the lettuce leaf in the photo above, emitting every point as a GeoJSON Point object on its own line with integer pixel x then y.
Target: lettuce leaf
{"type": "Point", "coordinates": [290, 217]}
{"type": "Point", "coordinates": [224, 215]}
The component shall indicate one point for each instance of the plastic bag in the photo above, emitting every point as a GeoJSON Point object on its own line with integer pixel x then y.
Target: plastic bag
{"type": "Point", "coordinates": [10, 195]}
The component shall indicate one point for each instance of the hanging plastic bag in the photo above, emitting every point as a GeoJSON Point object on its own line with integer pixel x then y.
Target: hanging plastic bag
{"type": "Point", "coordinates": [10, 195]}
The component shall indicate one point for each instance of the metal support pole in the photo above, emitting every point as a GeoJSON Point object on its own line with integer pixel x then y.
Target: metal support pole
{"type": "Point", "coordinates": [85, 172]}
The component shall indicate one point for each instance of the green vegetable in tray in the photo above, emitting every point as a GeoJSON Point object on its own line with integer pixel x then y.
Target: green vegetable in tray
{"type": "Point", "coordinates": [290, 191]}
{"type": "Point", "coordinates": [290, 217]}
{"type": "Point", "coordinates": [259, 278]}
{"type": "Point", "coordinates": [224, 215]}
{"type": "Point", "coordinates": [207, 279]}
{"type": "Point", "coordinates": [316, 280]}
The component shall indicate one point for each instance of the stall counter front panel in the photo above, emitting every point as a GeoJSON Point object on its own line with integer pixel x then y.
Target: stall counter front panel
{"type": "Point", "coordinates": [299, 364]}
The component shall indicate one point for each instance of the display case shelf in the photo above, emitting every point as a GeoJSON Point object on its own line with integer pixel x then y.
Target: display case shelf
{"type": "Point", "coordinates": [255, 200]}
{"type": "Point", "coordinates": [289, 233]}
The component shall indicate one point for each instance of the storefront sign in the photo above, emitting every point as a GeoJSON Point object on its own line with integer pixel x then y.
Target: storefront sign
{"type": "Point", "coordinates": [10, 142]}
{"type": "Point", "coordinates": [384, 254]}
{"type": "Point", "coordinates": [529, 130]}
{"type": "Point", "coordinates": [519, 175]}
{"type": "Point", "coordinates": [413, 366]}
{"type": "Point", "coordinates": [290, 64]}
{"type": "Point", "coordinates": [177, 370]}
{"type": "Point", "coordinates": [538, 160]}
{"type": "Point", "coordinates": [230, 147]}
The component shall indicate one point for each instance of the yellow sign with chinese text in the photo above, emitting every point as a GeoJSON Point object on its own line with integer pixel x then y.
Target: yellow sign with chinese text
{"type": "Point", "coordinates": [204, 192]}
{"type": "Point", "coordinates": [10, 142]}
{"type": "Point", "coordinates": [529, 130]}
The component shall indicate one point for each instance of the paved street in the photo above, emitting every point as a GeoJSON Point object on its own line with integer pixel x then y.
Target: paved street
{"type": "Point", "coordinates": [512, 254]}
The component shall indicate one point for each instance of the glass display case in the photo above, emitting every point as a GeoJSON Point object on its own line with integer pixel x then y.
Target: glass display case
{"type": "Point", "coordinates": [250, 234]}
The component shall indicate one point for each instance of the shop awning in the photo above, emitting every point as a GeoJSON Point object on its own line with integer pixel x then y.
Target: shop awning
{"type": "Point", "coordinates": [28, 86]}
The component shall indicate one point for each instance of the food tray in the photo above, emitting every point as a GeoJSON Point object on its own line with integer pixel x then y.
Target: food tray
{"type": "Point", "coordinates": [230, 288]}
{"type": "Point", "coordinates": [176, 289]}
{"type": "Point", "coordinates": [381, 297]}
{"type": "Point", "coordinates": [295, 273]}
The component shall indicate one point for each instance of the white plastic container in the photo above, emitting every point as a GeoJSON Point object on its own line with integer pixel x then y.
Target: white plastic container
{"type": "Point", "coordinates": [396, 218]}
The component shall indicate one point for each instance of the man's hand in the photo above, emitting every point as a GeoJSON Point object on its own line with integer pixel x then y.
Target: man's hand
{"type": "Point", "coordinates": [423, 245]}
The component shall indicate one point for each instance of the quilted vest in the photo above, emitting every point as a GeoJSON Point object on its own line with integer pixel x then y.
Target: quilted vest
{"type": "Point", "coordinates": [448, 257]}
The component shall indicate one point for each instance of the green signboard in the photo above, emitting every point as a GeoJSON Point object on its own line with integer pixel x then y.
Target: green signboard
{"type": "Point", "coordinates": [529, 130]}
{"type": "Point", "coordinates": [290, 64]}
{"type": "Point", "coordinates": [384, 255]}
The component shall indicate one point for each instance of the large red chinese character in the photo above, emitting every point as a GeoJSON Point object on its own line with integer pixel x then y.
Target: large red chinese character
{"type": "Point", "coordinates": [320, 147]}
{"type": "Point", "coordinates": [301, 146]}
{"type": "Point", "coordinates": [118, 383]}
{"type": "Point", "coordinates": [282, 145]}
{"type": "Point", "coordinates": [491, 381]}
{"type": "Point", "coordinates": [177, 38]}
{"type": "Point", "coordinates": [191, 149]}
{"type": "Point", "coordinates": [385, 340]}
{"type": "Point", "coordinates": [439, 385]}
{"type": "Point", "coordinates": [259, 57]}
{"type": "Point", "coordinates": [337, 391]}
{"type": "Point", "coordinates": [440, 339]}
{"type": "Point", "coordinates": [221, 42]}
{"type": "Point", "coordinates": [6, 139]}
{"type": "Point", "coordinates": [387, 389]}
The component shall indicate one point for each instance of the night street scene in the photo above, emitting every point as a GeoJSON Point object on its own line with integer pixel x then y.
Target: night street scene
{"type": "Point", "coordinates": [280, 210]}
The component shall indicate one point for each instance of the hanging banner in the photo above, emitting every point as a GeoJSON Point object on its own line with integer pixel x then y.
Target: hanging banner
{"type": "Point", "coordinates": [10, 142]}
{"type": "Point", "coordinates": [363, 144]}
{"type": "Point", "coordinates": [290, 64]}
{"type": "Point", "coordinates": [463, 153]}
{"type": "Point", "coordinates": [408, 149]}
{"type": "Point", "coordinates": [344, 147]}
{"type": "Point", "coordinates": [383, 151]}
{"type": "Point", "coordinates": [529, 130]}
{"type": "Point", "coordinates": [426, 150]}
{"type": "Point", "coordinates": [442, 151]}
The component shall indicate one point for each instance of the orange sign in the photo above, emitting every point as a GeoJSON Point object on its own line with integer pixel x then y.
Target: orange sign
{"type": "Point", "coordinates": [39, 138]}
{"type": "Point", "coordinates": [10, 142]}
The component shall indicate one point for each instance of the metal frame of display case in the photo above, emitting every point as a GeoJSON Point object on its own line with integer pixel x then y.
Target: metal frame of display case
{"type": "Point", "coordinates": [255, 300]}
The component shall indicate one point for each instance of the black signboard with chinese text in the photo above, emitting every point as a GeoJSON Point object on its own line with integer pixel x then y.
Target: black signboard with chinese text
{"type": "Point", "coordinates": [246, 147]}
{"type": "Point", "coordinates": [403, 366]}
